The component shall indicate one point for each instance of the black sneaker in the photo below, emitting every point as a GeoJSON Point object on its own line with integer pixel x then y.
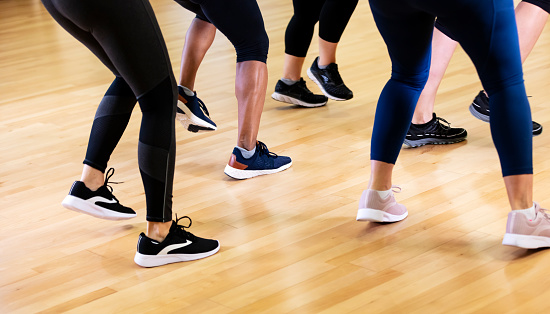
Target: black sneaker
{"type": "Point", "coordinates": [480, 109]}
{"type": "Point", "coordinates": [178, 246]}
{"type": "Point", "coordinates": [298, 94]}
{"type": "Point", "coordinates": [193, 114]}
{"type": "Point", "coordinates": [434, 132]}
{"type": "Point", "coordinates": [100, 203]}
{"type": "Point", "coordinates": [329, 81]}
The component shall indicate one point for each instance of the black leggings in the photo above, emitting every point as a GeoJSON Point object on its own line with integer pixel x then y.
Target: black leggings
{"type": "Point", "coordinates": [240, 21]}
{"type": "Point", "coordinates": [126, 37]}
{"type": "Point", "coordinates": [332, 15]}
{"type": "Point", "coordinates": [543, 4]}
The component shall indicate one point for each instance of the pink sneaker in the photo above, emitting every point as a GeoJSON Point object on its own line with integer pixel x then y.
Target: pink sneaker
{"type": "Point", "coordinates": [528, 233]}
{"type": "Point", "coordinates": [373, 208]}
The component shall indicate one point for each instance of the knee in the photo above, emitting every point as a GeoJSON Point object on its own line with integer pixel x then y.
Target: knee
{"type": "Point", "coordinates": [253, 49]}
{"type": "Point", "coordinates": [413, 80]}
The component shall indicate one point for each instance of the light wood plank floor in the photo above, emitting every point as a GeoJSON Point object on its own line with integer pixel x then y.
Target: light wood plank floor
{"type": "Point", "coordinates": [290, 242]}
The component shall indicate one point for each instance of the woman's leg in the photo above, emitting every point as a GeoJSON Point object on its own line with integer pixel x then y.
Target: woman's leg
{"type": "Point", "coordinates": [198, 40]}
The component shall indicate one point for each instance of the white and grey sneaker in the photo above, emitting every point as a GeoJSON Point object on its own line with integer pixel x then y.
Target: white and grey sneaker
{"type": "Point", "coordinates": [178, 246]}
{"type": "Point", "coordinates": [100, 203]}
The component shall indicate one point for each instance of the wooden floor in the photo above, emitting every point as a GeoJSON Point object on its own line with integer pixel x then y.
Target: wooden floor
{"type": "Point", "coordinates": [290, 242]}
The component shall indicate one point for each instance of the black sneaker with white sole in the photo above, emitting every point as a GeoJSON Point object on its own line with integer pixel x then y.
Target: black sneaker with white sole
{"type": "Point", "coordinates": [178, 246]}
{"type": "Point", "coordinates": [329, 81]}
{"type": "Point", "coordinates": [480, 109]}
{"type": "Point", "coordinates": [434, 132]}
{"type": "Point", "coordinates": [298, 94]}
{"type": "Point", "coordinates": [100, 203]}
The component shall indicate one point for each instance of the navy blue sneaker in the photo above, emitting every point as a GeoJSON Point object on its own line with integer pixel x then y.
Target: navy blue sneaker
{"type": "Point", "coordinates": [262, 162]}
{"type": "Point", "coordinates": [100, 203]}
{"type": "Point", "coordinates": [178, 246]}
{"type": "Point", "coordinates": [192, 113]}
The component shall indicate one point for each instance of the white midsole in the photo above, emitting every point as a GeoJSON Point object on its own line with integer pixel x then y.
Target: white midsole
{"type": "Point", "coordinates": [158, 260]}
{"type": "Point", "coordinates": [246, 174]}
{"type": "Point", "coordinates": [525, 241]}
{"type": "Point", "coordinates": [188, 115]}
{"type": "Point", "coordinates": [82, 206]}
{"type": "Point", "coordinates": [375, 215]}
{"type": "Point", "coordinates": [295, 101]}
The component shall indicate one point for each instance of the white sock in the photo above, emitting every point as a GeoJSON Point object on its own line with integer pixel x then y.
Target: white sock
{"type": "Point", "coordinates": [187, 91]}
{"type": "Point", "coordinates": [384, 194]}
{"type": "Point", "coordinates": [247, 153]}
{"type": "Point", "coordinates": [529, 212]}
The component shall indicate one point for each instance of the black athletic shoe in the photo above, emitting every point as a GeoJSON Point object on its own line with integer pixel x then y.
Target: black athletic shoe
{"type": "Point", "coordinates": [480, 109]}
{"type": "Point", "coordinates": [101, 203]}
{"type": "Point", "coordinates": [298, 94]}
{"type": "Point", "coordinates": [434, 132]}
{"type": "Point", "coordinates": [329, 81]}
{"type": "Point", "coordinates": [178, 246]}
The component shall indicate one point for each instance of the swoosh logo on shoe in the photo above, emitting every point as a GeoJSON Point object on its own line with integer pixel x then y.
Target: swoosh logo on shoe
{"type": "Point", "coordinates": [172, 247]}
{"type": "Point", "coordinates": [96, 199]}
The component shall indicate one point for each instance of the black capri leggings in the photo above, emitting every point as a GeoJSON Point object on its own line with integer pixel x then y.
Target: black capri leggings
{"type": "Point", "coordinates": [126, 37]}
{"type": "Point", "coordinates": [239, 20]}
{"type": "Point", "coordinates": [332, 15]}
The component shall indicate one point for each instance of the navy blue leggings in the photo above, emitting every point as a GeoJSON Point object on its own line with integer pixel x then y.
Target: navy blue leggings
{"type": "Point", "coordinates": [487, 31]}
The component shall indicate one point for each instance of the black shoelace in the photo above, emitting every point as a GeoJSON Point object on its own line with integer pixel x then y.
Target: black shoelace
{"type": "Point", "coordinates": [440, 122]}
{"type": "Point", "coordinates": [108, 175]}
{"type": "Point", "coordinates": [180, 229]}
{"type": "Point", "coordinates": [262, 149]}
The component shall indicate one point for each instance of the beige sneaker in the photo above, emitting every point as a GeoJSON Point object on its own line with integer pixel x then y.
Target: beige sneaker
{"type": "Point", "coordinates": [528, 233]}
{"type": "Point", "coordinates": [373, 208]}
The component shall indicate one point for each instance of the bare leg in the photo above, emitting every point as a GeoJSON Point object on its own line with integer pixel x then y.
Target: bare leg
{"type": "Point", "coordinates": [327, 52]}
{"type": "Point", "coordinates": [250, 89]}
{"type": "Point", "coordinates": [158, 230]}
{"type": "Point", "coordinates": [292, 69]}
{"type": "Point", "coordinates": [442, 50]}
{"type": "Point", "coordinates": [198, 40]}
{"type": "Point", "coordinates": [520, 190]}
{"type": "Point", "coordinates": [380, 175]}
{"type": "Point", "coordinates": [92, 178]}
{"type": "Point", "coordinates": [530, 20]}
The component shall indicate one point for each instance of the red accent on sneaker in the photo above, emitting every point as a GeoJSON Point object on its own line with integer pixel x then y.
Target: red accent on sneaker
{"type": "Point", "coordinates": [235, 164]}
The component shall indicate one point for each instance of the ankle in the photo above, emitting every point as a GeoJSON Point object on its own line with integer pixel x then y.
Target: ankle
{"type": "Point", "coordinates": [158, 230]}
{"type": "Point", "coordinates": [93, 179]}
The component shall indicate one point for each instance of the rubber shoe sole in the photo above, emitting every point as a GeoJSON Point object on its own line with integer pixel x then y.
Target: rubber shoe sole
{"type": "Point", "coordinates": [191, 122]}
{"type": "Point", "coordinates": [525, 241]}
{"type": "Point", "coordinates": [247, 174]}
{"type": "Point", "coordinates": [295, 101]}
{"type": "Point", "coordinates": [155, 260]}
{"type": "Point", "coordinates": [375, 215]}
{"type": "Point", "coordinates": [79, 205]}
{"type": "Point", "coordinates": [426, 141]}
